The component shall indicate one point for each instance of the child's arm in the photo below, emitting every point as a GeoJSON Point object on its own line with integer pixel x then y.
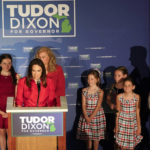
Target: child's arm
{"type": "Point", "coordinates": [118, 112]}
{"type": "Point", "coordinates": [17, 77]}
{"type": "Point", "coordinates": [108, 100]}
{"type": "Point", "coordinates": [110, 96]}
{"type": "Point", "coordinates": [84, 108]}
{"type": "Point", "coordinates": [138, 115]}
{"type": "Point", "coordinates": [101, 94]}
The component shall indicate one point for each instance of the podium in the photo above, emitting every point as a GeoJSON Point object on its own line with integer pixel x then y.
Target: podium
{"type": "Point", "coordinates": [37, 128]}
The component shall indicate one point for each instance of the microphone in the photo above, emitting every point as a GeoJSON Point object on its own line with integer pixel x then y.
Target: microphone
{"type": "Point", "coordinates": [39, 85]}
{"type": "Point", "coordinates": [39, 89]}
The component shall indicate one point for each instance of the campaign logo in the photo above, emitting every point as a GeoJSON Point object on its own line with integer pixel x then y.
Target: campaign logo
{"type": "Point", "coordinates": [73, 85]}
{"type": "Point", "coordinates": [40, 18]}
{"type": "Point", "coordinates": [98, 66]}
{"type": "Point", "coordinates": [32, 124]}
{"type": "Point", "coordinates": [84, 57]}
{"type": "Point", "coordinates": [72, 48]}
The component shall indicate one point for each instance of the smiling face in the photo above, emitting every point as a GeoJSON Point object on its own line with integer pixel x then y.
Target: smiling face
{"type": "Point", "coordinates": [6, 64]}
{"type": "Point", "coordinates": [92, 81]}
{"type": "Point", "coordinates": [44, 57]}
{"type": "Point", "coordinates": [118, 76]}
{"type": "Point", "coordinates": [36, 72]}
{"type": "Point", "coordinates": [128, 86]}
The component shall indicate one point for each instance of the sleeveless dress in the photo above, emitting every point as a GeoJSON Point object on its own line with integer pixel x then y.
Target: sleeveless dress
{"type": "Point", "coordinates": [127, 124]}
{"type": "Point", "coordinates": [7, 89]}
{"type": "Point", "coordinates": [95, 129]}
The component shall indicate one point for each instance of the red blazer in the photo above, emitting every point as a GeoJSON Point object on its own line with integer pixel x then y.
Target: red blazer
{"type": "Point", "coordinates": [28, 97]}
{"type": "Point", "coordinates": [59, 82]}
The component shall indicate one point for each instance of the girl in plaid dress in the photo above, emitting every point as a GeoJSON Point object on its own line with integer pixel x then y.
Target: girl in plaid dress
{"type": "Point", "coordinates": [111, 93]}
{"type": "Point", "coordinates": [92, 123]}
{"type": "Point", "coordinates": [128, 127]}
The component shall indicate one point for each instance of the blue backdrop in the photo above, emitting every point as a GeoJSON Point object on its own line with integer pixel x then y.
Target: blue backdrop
{"type": "Point", "coordinates": [100, 34]}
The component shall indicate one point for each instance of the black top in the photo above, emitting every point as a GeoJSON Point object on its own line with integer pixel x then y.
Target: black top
{"type": "Point", "coordinates": [111, 91]}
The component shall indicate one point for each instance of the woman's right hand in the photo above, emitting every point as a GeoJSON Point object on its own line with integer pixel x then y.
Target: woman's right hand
{"type": "Point", "coordinates": [18, 106]}
{"type": "Point", "coordinates": [18, 76]}
{"type": "Point", "coordinates": [4, 115]}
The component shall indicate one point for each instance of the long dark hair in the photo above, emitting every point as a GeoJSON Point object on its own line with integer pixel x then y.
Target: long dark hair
{"type": "Point", "coordinates": [12, 70]}
{"type": "Point", "coordinates": [123, 69]}
{"type": "Point", "coordinates": [130, 80]}
{"type": "Point", "coordinates": [38, 62]}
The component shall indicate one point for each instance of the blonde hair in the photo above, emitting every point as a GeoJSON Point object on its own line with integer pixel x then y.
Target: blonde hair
{"type": "Point", "coordinates": [52, 58]}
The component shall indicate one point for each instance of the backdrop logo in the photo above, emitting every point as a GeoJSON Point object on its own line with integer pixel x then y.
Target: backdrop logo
{"type": "Point", "coordinates": [40, 18]}
{"type": "Point", "coordinates": [84, 57]}
{"type": "Point", "coordinates": [73, 85]}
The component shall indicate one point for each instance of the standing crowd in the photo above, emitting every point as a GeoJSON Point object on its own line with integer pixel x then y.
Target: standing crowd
{"type": "Point", "coordinates": [45, 83]}
{"type": "Point", "coordinates": [41, 87]}
{"type": "Point", "coordinates": [122, 124]}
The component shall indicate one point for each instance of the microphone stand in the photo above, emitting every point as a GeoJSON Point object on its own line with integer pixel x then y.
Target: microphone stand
{"type": "Point", "coordinates": [39, 88]}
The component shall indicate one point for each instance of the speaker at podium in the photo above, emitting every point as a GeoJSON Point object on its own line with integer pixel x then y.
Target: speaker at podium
{"type": "Point", "coordinates": [37, 128]}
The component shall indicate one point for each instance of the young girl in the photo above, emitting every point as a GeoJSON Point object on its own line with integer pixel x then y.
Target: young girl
{"type": "Point", "coordinates": [116, 88]}
{"type": "Point", "coordinates": [92, 123]}
{"type": "Point", "coordinates": [119, 75]}
{"type": "Point", "coordinates": [8, 80]}
{"type": "Point", "coordinates": [128, 127]}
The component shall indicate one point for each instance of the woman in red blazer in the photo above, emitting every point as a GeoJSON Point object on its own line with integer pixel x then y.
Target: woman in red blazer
{"type": "Point", "coordinates": [53, 71]}
{"type": "Point", "coordinates": [35, 90]}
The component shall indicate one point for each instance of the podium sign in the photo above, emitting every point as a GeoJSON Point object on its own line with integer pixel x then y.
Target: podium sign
{"type": "Point", "coordinates": [37, 128]}
{"type": "Point", "coordinates": [37, 124]}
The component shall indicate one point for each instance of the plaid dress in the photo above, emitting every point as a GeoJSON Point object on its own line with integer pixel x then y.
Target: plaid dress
{"type": "Point", "coordinates": [127, 124]}
{"type": "Point", "coordinates": [95, 129]}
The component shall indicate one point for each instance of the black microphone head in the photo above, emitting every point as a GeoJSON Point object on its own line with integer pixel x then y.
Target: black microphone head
{"type": "Point", "coordinates": [38, 81]}
{"type": "Point", "coordinates": [39, 85]}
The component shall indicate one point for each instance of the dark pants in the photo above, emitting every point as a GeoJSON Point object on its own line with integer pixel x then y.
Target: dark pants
{"type": "Point", "coordinates": [110, 126]}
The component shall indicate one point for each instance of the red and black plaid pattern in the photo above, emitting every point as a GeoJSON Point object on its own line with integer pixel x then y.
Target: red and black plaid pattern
{"type": "Point", "coordinates": [95, 129]}
{"type": "Point", "coordinates": [127, 124]}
